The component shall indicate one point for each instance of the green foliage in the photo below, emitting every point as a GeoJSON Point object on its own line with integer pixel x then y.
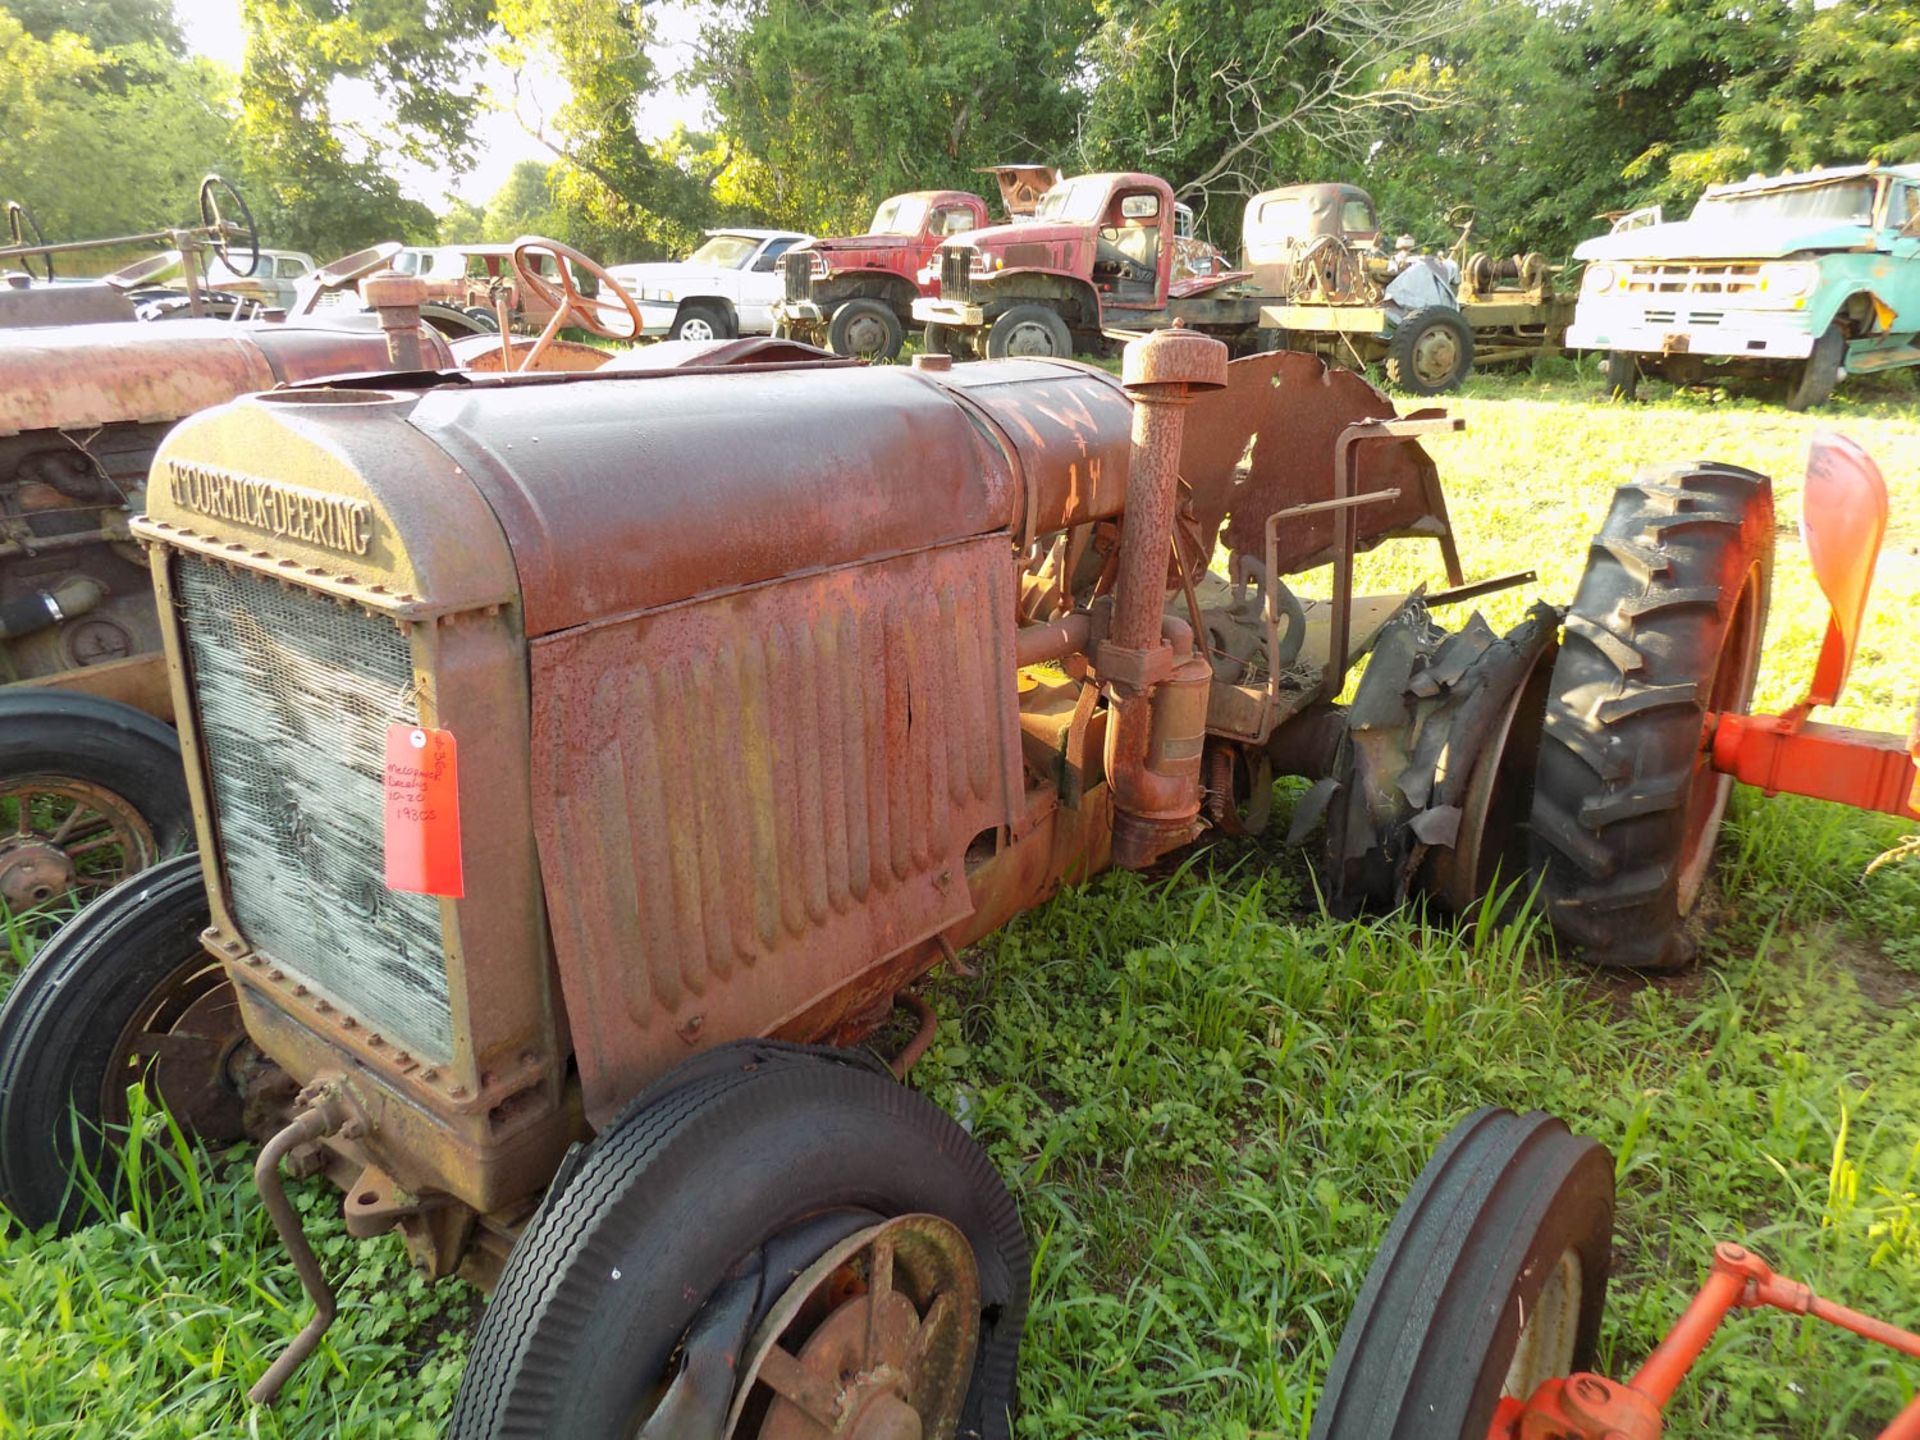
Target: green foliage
{"type": "Point", "coordinates": [70, 109]}
{"type": "Point", "coordinates": [106, 24]}
{"type": "Point", "coordinates": [831, 105]}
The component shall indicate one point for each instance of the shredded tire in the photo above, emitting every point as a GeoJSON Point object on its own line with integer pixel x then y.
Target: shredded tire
{"type": "Point", "coordinates": [1667, 625]}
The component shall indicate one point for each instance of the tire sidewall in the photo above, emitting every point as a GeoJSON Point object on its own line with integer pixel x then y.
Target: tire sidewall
{"type": "Point", "coordinates": [62, 1021]}
{"type": "Point", "coordinates": [850, 311]}
{"type": "Point", "coordinates": [104, 743]}
{"type": "Point", "coordinates": [1000, 333]}
{"type": "Point", "coordinates": [623, 1265]}
{"type": "Point", "coordinates": [1406, 340]}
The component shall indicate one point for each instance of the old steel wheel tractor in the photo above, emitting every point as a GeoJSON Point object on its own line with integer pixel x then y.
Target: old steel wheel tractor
{"type": "Point", "coordinates": [571, 800]}
{"type": "Point", "coordinates": [1480, 1314]}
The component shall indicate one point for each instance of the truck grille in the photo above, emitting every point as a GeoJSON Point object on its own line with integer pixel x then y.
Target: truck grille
{"type": "Point", "coordinates": [294, 695]}
{"type": "Point", "coordinates": [1691, 280]}
{"type": "Point", "coordinates": [956, 272]}
{"type": "Point", "coordinates": [798, 267]}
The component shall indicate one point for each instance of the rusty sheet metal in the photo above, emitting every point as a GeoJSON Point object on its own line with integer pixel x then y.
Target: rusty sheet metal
{"type": "Point", "coordinates": [1291, 408]}
{"type": "Point", "coordinates": [1069, 427]}
{"type": "Point", "coordinates": [743, 804]}
{"type": "Point", "coordinates": [73, 377]}
{"type": "Point", "coordinates": [624, 492]}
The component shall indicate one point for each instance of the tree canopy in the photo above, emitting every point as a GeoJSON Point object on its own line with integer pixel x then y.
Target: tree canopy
{"type": "Point", "coordinates": [1538, 115]}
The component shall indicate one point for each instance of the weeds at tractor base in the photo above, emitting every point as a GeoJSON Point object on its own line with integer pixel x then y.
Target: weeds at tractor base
{"type": "Point", "coordinates": [1211, 1098]}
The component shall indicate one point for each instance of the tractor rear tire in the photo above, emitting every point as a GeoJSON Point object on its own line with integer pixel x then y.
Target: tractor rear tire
{"type": "Point", "coordinates": [1820, 372]}
{"type": "Point", "coordinates": [1431, 351]}
{"type": "Point", "coordinates": [697, 1183]}
{"type": "Point", "coordinates": [1622, 375]}
{"type": "Point", "coordinates": [124, 994]}
{"type": "Point", "coordinates": [1665, 630]}
{"type": "Point", "coordinates": [1029, 332]}
{"type": "Point", "coordinates": [865, 329]}
{"type": "Point", "coordinates": [1492, 1278]}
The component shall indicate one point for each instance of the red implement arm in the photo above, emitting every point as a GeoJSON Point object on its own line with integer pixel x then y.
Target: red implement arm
{"type": "Point", "coordinates": [1590, 1407]}
{"type": "Point", "coordinates": [1844, 520]}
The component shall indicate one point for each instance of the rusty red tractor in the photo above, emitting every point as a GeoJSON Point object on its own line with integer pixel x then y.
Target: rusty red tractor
{"type": "Point", "coordinates": [91, 787]}
{"type": "Point", "coordinates": [570, 805]}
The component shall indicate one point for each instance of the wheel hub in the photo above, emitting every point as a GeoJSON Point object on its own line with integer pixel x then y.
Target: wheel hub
{"type": "Point", "coordinates": [874, 1341]}
{"type": "Point", "coordinates": [1030, 340]}
{"type": "Point", "coordinates": [1435, 355]}
{"type": "Point", "coordinates": [189, 1042]}
{"type": "Point", "coordinates": [59, 834]}
{"type": "Point", "coordinates": [866, 335]}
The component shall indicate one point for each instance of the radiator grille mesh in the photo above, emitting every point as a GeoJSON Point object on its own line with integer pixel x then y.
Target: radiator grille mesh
{"type": "Point", "coordinates": [294, 695]}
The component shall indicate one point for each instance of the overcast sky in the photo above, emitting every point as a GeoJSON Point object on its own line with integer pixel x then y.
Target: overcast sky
{"type": "Point", "coordinates": [213, 29]}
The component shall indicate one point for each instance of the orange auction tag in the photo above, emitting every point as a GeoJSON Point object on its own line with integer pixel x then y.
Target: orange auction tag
{"type": "Point", "coordinates": [423, 811]}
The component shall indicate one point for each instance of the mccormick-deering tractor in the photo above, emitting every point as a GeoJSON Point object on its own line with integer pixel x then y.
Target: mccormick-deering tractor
{"type": "Point", "coordinates": [855, 294]}
{"type": "Point", "coordinates": [1101, 252]}
{"type": "Point", "coordinates": [604, 754]}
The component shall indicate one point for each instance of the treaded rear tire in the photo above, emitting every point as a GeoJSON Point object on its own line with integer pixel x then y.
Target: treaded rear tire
{"type": "Point", "coordinates": [1667, 625]}
{"type": "Point", "coordinates": [681, 1187]}
{"type": "Point", "coordinates": [1503, 1200]}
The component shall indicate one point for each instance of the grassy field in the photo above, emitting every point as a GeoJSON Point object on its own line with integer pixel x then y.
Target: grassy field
{"type": "Point", "coordinates": [1210, 1097]}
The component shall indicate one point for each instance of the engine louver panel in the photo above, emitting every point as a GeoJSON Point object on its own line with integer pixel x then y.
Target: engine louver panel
{"type": "Point", "coordinates": [294, 695]}
{"type": "Point", "coordinates": [745, 803]}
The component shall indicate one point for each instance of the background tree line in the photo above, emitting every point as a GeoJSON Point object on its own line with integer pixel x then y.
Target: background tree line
{"type": "Point", "coordinates": [1540, 115]}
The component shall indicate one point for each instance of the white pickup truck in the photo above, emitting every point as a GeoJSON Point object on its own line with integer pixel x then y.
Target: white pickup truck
{"type": "Point", "coordinates": [725, 288]}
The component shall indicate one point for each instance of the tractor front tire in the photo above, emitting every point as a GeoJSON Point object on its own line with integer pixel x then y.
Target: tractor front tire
{"type": "Point", "coordinates": [749, 1168]}
{"type": "Point", "coordinates": [1665, 630]}
{"type": "Point", "coordinates": [1492, 1278]}
{"type": "Point", "coordinates": [1431, 351]}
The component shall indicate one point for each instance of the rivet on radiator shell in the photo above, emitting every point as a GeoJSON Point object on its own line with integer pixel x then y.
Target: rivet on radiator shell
{"type": "Point", "coordinates": [376, 1040]}
{"type": "Point", "coordinates": [430, 1074]}
{"type": "Point", "coordinates": [276, 973]}
{"type": "Point", "coordinates": [322, 1007]}
{"type": "Point", "coordinates": [458, 1092]}
{"type": "Point", "coordinates": [299, 990]}
{"type": "Point", "coordinates": [347, 1022]}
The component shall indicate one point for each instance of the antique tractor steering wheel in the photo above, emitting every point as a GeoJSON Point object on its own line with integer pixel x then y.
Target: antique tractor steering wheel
{"type": "Point", "coordinates": [605, 318]}
{"type": "Point", "coordinates": [221, 230]}
{"type": "Point", "coordinates": [19, 221]}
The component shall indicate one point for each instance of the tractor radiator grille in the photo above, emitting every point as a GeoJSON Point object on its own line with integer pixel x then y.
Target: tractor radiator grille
{"type": "Point", "coordinates": [294, 696]}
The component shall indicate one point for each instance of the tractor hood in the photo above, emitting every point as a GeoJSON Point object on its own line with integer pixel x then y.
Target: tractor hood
{"type": "Point", "coordinates": [1755, 239]}
{"type": "Point", "coordinates": [839, 243]}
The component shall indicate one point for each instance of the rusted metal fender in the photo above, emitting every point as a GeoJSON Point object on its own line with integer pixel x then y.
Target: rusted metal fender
{"type": "Point", "coordinates": [1290, 408]}
{"type": "Point", "coordinates": [66, 377]}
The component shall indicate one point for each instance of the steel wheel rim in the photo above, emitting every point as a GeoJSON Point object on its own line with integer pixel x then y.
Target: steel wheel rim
{"type": "Point", "coordinates": [696, 329]}
{"type": "Point", "coordinates": [1544, 1348]}
{"type": "Point", "coordinates": [1709, 791]}
{"type": "Point", "coordinates": [59, 834]}
{"type": "Point", "coordinates": [186, 1044]}
{"type": "Point", "coordinates": [1030, 338]}
{"type": "Point", "coordinates": [1435, 354]}
{"type": "Point", "coordinates": [887, 1325]}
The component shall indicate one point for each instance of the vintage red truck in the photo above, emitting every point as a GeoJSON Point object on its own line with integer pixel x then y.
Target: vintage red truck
{"type": "Point", "coordinates": [1102, 252]}
{"type": "Point", "coordinates": [855, 293]}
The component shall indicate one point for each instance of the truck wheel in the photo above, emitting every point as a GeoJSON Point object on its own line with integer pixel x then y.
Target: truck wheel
{"type": "Point", "coordinates": [700, 321]}
{"type": "Point", "coordinates": [1665, 629]}
{"type": "Point", "coordinates": [1622, 375]}
{"type": "Point", "coordinates": [722, 1249]}
{"type": "Point", "coordinates": [865, 328]}
{"type": "Point", "coordinates": [1820, 371]}
{"type": "Point", "coordinates": [945, 340]}
{"type": "Point", "coordinates": [123, 994]}
{"type": "Point", "coordinates": [1029, 331]}
{"type": "Point", "coordinates": [90, 792]}
{"type": "Point", "coordinates": [1492, 1278]}
{"type": "Point", "coordinates": [1431, 351]}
